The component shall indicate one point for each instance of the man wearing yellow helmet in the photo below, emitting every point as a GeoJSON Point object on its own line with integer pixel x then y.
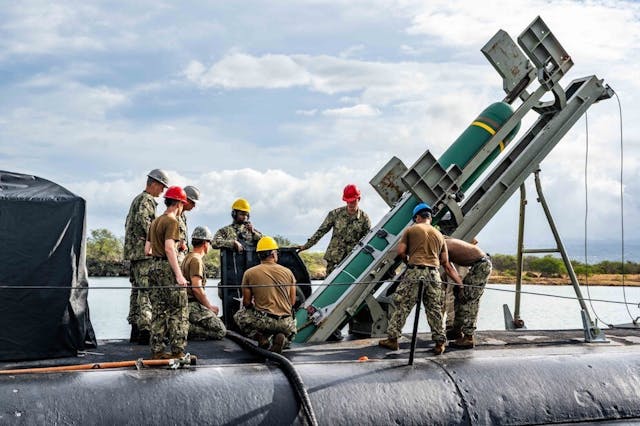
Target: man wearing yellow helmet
{"type": "Point", "coordinates": [268, 295]}
{"type": "Point", "coordinates": [241, 230]}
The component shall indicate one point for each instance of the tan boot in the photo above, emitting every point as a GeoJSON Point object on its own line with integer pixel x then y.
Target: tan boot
{"type": "Point", "coordinates": [278, 343]}
{"type": "Point", "coordinates": [390, 343]}
{"type": "Point", "coordinates": [466, 342]}
{"type": "Point", "coordinates": [160, 355]}
{"type": "Point", "coordinates": [177, 355]}
{"type": "Point", "coordinates": [263, 341]}
{"type": "Point", "coordinates": [438, 349]}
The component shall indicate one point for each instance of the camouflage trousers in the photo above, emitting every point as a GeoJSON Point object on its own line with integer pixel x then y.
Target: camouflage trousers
{"type": "Point", "coordinates": [331, 266]}
{"type": "Point", "coordinates": [467, 299]}
{"type": "Point", "coordinates": [139, 302]}
{"type": "Point", "coordinates": [204, 324]}
{"type": "Point", "coordinates": [406, 297]}
{"type": "Point", "coordinates": [251, 321]}
{"type": "Point", "coordinates": [170, 317]}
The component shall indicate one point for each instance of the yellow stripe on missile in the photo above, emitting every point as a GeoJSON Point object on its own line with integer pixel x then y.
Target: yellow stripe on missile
{"type": "Point", "coordinates": [488, 129]}
{"type": "Point", "coordinates": [484, 126]}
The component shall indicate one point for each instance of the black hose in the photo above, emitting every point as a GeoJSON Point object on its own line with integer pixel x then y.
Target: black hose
{"type": "Point", "coordinates": [299, 388]}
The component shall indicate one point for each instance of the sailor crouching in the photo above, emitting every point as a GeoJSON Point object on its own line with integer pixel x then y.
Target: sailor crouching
{"type": "Point", "coordinates": [268, 295]}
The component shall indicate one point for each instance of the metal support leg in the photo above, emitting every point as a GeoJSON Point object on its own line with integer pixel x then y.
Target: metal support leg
{"type": "Point", "coordinates": [591, 332]}
{"type": "Point", "coordinates": [517, 321]}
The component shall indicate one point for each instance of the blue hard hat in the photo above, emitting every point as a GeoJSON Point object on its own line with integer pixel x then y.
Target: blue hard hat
{"type": "Point", "coordinates": [420, 207]}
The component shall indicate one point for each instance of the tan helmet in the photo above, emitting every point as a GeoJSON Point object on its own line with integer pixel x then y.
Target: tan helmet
{"type": "Point", "coordinates": [159, 176]}
{"type": "Point", "coordinates": [242, 205]}
{"type": "Point", "coordinates": [267, 244]}
{"type": "Point", "coordinates": [193, 193]}
{"type": "Point", "coordinates": [202, 233]}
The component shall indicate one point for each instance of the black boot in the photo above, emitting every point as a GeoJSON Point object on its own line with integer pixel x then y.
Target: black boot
{"type": "Point", "coordinates": [135, 333]}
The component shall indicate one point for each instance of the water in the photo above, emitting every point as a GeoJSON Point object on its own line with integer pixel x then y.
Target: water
{"type": "Point", "coordinates": [109, 307]}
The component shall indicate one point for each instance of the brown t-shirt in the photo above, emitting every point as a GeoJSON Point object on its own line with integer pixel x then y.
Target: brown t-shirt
{"type": "Point", "coordinates": [424, 244]}
{"type": "Point", "coordinates": [192, 265]}
{"type": "Point", "coordinates": [162, 228]}
{"type": "Point", "coordinates": [270, 284]}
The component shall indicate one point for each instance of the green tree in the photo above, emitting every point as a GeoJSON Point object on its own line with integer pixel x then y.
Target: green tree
{"type": "Point", "coordinates": [504, 262]}
{"type": "Point", "coordinates": [212, 263]}
{"type": "Point", "coordinates": [104, 246]}
{"type": "Point", "coordinates": [547, 265]}
{"type": "Point", "coordinates": [283, 241]}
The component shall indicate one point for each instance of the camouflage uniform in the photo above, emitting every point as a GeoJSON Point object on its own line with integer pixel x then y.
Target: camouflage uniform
{"type": "Point", "coordinates": [406, 297]}
{"type": "Point", "coordinates": [182, 226]}
{"type": "Point", "coordinates": [468, 298]}
{"type": "Point", "coordinates": [226, 237]}
{"type": "Point", "coordinates": [252, 321]}
{"type": "Point", "coordinates": [141, 214]}
{"type": "Point", "coordinates": [347, 231]}
{"type": "Point", "coordinates": [170, 312]}
{"type": "Point", "coordinates": [204, 324]}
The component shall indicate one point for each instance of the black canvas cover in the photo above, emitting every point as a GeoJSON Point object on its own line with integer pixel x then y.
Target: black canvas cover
{"type": "Point", "coordinates": [43, 276]}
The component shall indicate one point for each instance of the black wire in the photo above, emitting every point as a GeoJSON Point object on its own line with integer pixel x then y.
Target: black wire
{"type": "Point", "coordinates": [586, 215]}
{"type": "Point", "coordinates": [326, 285]}
{"type": "Point", "coordinates": [624, 291]}
{"type": "Point", "coordinates": [289, 370]}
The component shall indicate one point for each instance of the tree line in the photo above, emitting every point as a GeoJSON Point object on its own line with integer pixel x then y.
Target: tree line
{"type": "Point", "coordinates": [105, 258]}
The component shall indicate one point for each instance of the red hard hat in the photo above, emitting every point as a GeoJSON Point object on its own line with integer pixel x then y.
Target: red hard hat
{"type": "Point", "coordinates": [176, 193]}
{"type": "Point", "coordinates": [350, 193]}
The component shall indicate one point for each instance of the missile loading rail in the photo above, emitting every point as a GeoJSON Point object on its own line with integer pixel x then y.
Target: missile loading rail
{"type": "Point", "coordinates": [349, 295]}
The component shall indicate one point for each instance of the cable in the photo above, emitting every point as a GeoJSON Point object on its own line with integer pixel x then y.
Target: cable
{"type": "Point", "coordinates": [624, 291]}
{"type": "Point", "coordinates": [289, 370]}
{"type": "Point", "coordinates": [586, 215]}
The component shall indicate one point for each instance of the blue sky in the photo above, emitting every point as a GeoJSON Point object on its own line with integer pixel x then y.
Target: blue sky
{"type": "Point", "coordinates": [284, 103]}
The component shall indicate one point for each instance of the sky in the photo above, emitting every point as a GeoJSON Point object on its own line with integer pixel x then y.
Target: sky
{"type": "Point", "coordinates": [284, 103]}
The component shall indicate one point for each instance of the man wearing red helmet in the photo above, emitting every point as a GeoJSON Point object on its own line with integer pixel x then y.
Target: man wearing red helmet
{"type": "Point", "coordinates": [168, 285]}
{"type": "Point", "coordinates": [349, 225]}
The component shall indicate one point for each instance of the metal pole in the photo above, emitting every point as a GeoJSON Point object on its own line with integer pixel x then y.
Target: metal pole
{"type": "Point", "coordinates": [414, 336]}
{"type": "Point", "coordinates": [594, 334]}
{"type": "Point", "coordinates": [520, 259]}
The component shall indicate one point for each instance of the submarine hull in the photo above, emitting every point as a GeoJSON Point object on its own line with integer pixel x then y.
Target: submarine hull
{"type": "Point", "coordinates": [505, 383]}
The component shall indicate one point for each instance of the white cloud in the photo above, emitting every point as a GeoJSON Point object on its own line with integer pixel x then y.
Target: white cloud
{"type": "Point", "coordinates": [355, 111]}
{"type": "Point", "coordinates": [241, 71]}
{"type": "Point", "coordinates": [96, 94]}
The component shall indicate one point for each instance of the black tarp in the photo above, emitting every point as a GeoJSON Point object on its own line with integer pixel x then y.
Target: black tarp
{"type": "Point", "coordinates": [43, 275]}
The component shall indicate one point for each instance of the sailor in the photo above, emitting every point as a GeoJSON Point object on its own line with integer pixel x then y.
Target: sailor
{"type": "Point", "coordinates": [193, 195]}
{"type": "Point", "coordinates": [349, 223]}
{"type": "Point", "coordinates": [168, 293]}
{"type": "Point", "coordinates": [423, 248]}
{"type": "Point", "coordinates": [204, 323]}
{"type": "Point", "coordinates": [467, 298]}
{"type": "Point", "coordinates": [141, 213]}
{"type": "Point", "coordinates": [268, 295]}
{"type": "Point", "coordinates": [241, 229]}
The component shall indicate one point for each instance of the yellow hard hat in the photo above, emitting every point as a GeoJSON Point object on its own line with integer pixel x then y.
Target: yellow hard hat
{"type": "Point", "coordinates": [267, 244]}
{"type": "Point", "coordinates": [241, 204]}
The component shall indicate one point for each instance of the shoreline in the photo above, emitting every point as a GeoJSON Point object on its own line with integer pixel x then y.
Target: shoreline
{"type": "Point", "coordinates": [610, 280]}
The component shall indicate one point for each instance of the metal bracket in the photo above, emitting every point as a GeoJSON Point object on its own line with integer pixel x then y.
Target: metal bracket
{"type": "Point", "coordinates": [592, 333]}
